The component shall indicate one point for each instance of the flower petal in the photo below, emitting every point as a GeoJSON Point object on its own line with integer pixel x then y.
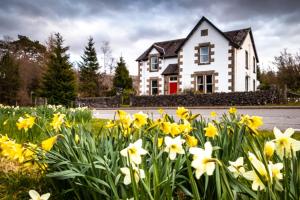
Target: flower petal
{"type": "Point", "coordinates": [34, 194]}
{"type": "Point", "coordinates": [45, 196]}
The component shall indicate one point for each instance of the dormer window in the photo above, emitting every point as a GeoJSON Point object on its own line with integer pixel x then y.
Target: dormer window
{"type": "Point", "coordinates": [154, 63]}
{"type": "Point", "coordinates": [204, 54]}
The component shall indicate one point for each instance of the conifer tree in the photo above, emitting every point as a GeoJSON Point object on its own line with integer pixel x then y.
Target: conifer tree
{"type": "Point", "coordinates": [59, 85]}
{"type": "Point", "coordinates": [9, 79]}
{"type": "Point", "coordinates": [88, 74]}
{"type": "Point", "coordinates": [122, 80]}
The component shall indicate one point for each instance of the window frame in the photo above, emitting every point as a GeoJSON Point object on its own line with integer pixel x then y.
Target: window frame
{"type": "Point", "coordinates": [246, 59]}
{"type": "Point", "coordinates": [155, 64]}
{"type": "Point", "coordinates": [151, 86]}
{"type": "Point", "coordinates": [204, 83]}
{"type": "Point", "coordinates": [208, 54]}
{"type": "Point", "coordinates": [204, 32]}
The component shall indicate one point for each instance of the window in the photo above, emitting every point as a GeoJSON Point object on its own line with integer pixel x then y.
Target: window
{"type": "Point", "coordinates": [254, 85]}
{"type": "Point", "coordinates": [204, 55]}
{"type": "Point", "coordinates": [205, 84]}
{"type": "Point", "coordinates": [154, 63]}
{"type": "Point", "coordinates": [154, 87]}
{"type": "Point", "coordinates": [254, 65]}
{"type": "Point", "coordinates": [247, 83]}
{"type": "Point", "coordinates": [173, 78]}
{"type": "Point", "coordinates": [246, 59]}
{"type": "Point", "coordinates": [204, 32]}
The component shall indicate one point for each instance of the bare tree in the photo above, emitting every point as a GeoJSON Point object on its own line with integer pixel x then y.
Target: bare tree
{"type": "Point", "coordinates": [107, 57]}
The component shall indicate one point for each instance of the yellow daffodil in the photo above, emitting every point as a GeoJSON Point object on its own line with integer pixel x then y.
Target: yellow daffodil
{"type": "Point", "coordinates": [237, 167]}
{"type": "Point", "coordinates": [191, 141]}
{"type": "Point", "coordinates": [25, 123]}
{"type": "Point", "coordinates": [185, 127]}
{"type": "Point", "coordinates": [213, 114]}
{"type": "Point", "coordinates": [253, 122]}
{"type": "Point", "coordinates": [134, 151]}
{"type": "Point", "coordinates": [284, 143]}
{"type": "Point", "coordinates": [137, 174]}
{"type": "Point", "coordinates": [57, 121]}
{"type": "Point", "coordinates": [139, 119]}
{"type": "Point", "coordinates": [232, 110]}
{"type": "Point", "coordinates": [173, 146]}
{"type": "Point", "coordinates": [175, 130]}
{"type": "Point", "coordinates": [110, 124]}
{"type": "Point", "coordinates": [211, 130]}
{"type": "Point", "coordinates": [202, 160]}
{"type": "Point", "coordinates": [125, 119]}
{"type": "Point", "coordinates": [257, 183]}
{"type": "Point", "coordinates": [34, 195]}
{"type": "Point", "coordinates": [275, 170]}
{"type": "Point", "coordinates": [269, 149]}
{"type": "Point", "coordinates": [160, 142]}
{"type": "Point", "coordinates": [182, 113]}
{"type": "Point", "coordinates": [161, 111]}
{"type": "Point", "coordinates": [166, 127]}
{"type": "Point", "coordinates": [48, 143]}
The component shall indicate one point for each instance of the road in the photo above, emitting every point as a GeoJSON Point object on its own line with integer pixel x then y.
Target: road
{"type": "Point", "coordinates": [282, 118]}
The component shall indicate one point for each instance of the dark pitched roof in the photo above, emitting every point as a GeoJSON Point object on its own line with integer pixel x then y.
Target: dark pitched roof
{"type": "Point", "coordinates": [165, 48]}
{"type": "Point", "coordinates": [238, 37]}
{"type": "Point", "coordinates": [172, 69]}
{"type": "Point", "coordinates": [171, 47]}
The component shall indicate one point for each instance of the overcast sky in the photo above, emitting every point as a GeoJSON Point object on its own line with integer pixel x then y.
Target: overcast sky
{"type": "Point", "coordinates": [132, 26]}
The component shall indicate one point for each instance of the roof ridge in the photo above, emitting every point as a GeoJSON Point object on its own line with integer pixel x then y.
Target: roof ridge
{"type": "Point", "coordinates": [169, 40]}
{"type": "Point", "coordinates": [249, 28]}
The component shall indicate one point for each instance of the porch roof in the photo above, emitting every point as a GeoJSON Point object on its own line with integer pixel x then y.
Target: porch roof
{"type": "Point", "coordinates": [172, 69]}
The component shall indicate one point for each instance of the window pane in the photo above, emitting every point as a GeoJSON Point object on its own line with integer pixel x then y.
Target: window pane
{"type": "Point", "coordinates": [154, 83]}
{"type": "Point", "coordinates": [200, 88]}
{"type": "Point", "coordinates": [209, 79]}
{"type": "Point", "coordinates": [200, 80]}
{"type": "Point", "coordinates": [208, 88]}
{"type": "Point", "coordinates": [204, 59]}
{"type": "Point", "coordinates": [173, 78]}
{"type": "Point", "coordinates": [154, 91]}
{"type": "Point", "coordinates": [203, 50]}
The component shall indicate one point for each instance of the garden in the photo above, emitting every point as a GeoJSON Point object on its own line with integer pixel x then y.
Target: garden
{"type": "Point", "coordinates": [53, 152]}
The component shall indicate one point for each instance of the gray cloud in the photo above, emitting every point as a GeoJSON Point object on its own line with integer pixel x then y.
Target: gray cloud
{"type": "Point", "coordinates": [131, 25]}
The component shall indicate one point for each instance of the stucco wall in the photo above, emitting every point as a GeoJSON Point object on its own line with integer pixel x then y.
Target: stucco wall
{"type": "Point", "coordinates": [220, 64]}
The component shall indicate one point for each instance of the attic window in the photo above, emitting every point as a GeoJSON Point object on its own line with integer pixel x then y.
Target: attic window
{"type": "Point", "coordinates": [154, 63]}
{"type": "Point", "coordinates": [204, 32]}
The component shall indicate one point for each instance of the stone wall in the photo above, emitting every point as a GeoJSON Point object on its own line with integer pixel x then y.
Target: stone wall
{"type": "Point", "coordinates": [99, 102]}
{"type": "Point", "coordinates": [215, 99]}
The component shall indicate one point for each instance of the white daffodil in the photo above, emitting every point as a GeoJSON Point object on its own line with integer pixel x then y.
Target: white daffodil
{"type": "Point", "coordinates": [202, 160]}
{"type": "Point", "coordinates": [134, 151]}
{"type": "Point", "coordinates": [275, 170]}
{"type": "Point", "coordinates": [284, 143]}
{"type": "Point", "coordinates": [34, 195]}
{"type": "Point", "coordinates": [174, 146]}
{"type": "Point", "coordinates": [257, 183]}
{"type": "Point", "coordinates": [138, 174]}
{"type": "Point", "coordinates": [237, 167]}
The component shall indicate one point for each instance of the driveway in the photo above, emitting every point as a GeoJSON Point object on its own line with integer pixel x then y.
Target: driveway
{"type": "Point", "coordinates": [280, 117]}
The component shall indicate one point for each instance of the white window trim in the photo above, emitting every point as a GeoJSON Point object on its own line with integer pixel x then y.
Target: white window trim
{"type": "Point", "coordinates": [154, 63]}
{"type": "Point", "coordinates": [200, 54]}
{"type": "Point", "coordinates": [173, 81]}
{"type": "Point", "coordinates": [205, 83]}
{"type": "Point", "coordinates": [151, 87]}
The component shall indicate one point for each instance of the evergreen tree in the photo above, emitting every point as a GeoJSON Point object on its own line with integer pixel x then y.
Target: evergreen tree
{"type": "Point", "coordinates": [122, 80]}
{"type": "Point", "coordinates": [88, 74]}
{"type": "Point", "coordinates": [59, 80]}
{"type": "Point", "coordinates": [9, 79]}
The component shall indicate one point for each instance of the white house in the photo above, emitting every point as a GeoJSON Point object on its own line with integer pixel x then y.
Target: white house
{"type": "Point", "coordinates": [207, 60]}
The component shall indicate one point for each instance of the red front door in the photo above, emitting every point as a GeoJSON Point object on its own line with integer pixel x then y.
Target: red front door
{"type": "Point", "coordinates": [173, 87]}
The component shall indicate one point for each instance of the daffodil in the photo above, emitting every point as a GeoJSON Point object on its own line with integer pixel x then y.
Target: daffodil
{"type": "Point", "coordinates": [48, 143]}
{"type": "Point", "coordinates": [160, 142]}
{"type": "Point", "coordinates": [161, 111]}
{"type": "Point", "coordinates": [139, 119]}
{"type": "Point", "coordinates": [285, 145]}
{"type": "Point", "coordinates": [269, 149]}
{"type": "Point", "coordinates": [185, 127]}
{"type": "Point", "coordinates": [202, 160]}
{"type": "Point", "coordinates": [25, 123]}
{"type": "Point", "coordinates": [137, 174]}
{"type": "Point", "coordinates": [166, 127]}
{"type": "Point", "coordinates": [110, 124]}
{"type": "Point", "coordinates": [182, 112]}
{"type": "Point", "coordinates": [257, 183]}
{"type": "Point", "coordinates": [211, 130]}
{"type": "Point", "coordinates": [232, 110]}
{"type": "Point", "coordinates": [174, 146]}
{"type": "Point", "coordinates": [213, 114]}
{"type": "Point", "coordinates": [125, 119]}
{"type": "Point", "coordinates": [191, 141]}
{"type": "Point", "coordinates": [34, 195]}
{"type": "Point", "coordinates": [134, 151]}
{"type": "Point", "coordinates": [57, 121]}
{"type": "Point", "coordinates": [253, 122]}
{"type": "Point", "coordinates": [237, 167]}
{"type": "Point", "coordinates": [275, 170]}
{"type": "Point", "coordinates": [175, 130]}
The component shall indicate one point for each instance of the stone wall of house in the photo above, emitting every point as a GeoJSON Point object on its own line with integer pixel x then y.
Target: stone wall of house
{"type": "Point", "coordinates": [99, 102]}
{"type": "Point", "coordinates": [215, 99]}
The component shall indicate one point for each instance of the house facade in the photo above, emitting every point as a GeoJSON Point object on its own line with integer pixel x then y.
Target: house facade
{"type": "Point", "coordinates": [207, 60]}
